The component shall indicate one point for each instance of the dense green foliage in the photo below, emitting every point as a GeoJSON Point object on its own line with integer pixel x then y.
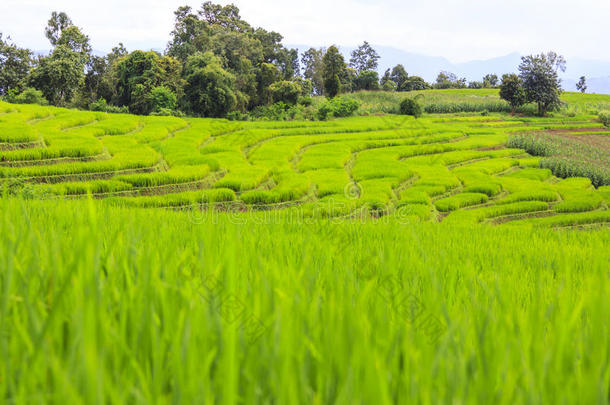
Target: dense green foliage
{"type": "Point", "coordinates": [333, 67]}
{"type": "Point", "coordinates": [541, 82]}
{"type": "Point", "coordinates": [512, 91]}
{"type": "Point", "coordinates": [14, 66]}
{"type": "Point", "coordinates": [337, 107]}
{"type": "Point", "coordinates": [410, 106]}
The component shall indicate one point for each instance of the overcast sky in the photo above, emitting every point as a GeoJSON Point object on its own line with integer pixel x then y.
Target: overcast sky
{"type": "Point", "coordinates": [460, 30]}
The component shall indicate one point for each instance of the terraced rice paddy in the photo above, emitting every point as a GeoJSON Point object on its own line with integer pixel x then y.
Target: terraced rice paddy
{"type": "Point", "coordinates": [442, 168]}
{"type": "Point", "coordinates": [298, 262]}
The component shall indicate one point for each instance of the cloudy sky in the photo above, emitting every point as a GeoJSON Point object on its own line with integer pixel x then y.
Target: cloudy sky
{"type": "Point", "coordinates": [460, 30]}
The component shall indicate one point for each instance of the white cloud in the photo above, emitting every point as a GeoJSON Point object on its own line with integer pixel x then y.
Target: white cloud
{"type": "Point", "coordinates": [457, 29]}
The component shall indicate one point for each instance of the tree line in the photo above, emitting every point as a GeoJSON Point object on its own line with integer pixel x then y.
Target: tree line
{"type": "Point", "coordinates": [215, 65]}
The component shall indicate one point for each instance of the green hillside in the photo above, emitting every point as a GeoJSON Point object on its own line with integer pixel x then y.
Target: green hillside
{"type": "Point", "coordinates": [163, 259]}
{"type": "Point", "coordinates": [440, 168]}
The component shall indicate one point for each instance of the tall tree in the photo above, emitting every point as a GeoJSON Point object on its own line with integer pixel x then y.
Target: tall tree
{"type": "Point", "coordinates": [56, 24]}
{"type": "Point", "coordinates": [101, 79]}
{"type": "Point", "coordinates": [226, 17]}
{"type": "Point", "coordinates": [541, 82]}
{"type": "Point", "coordinates": [333, 66]}
{"type": "Point", "coordinates": [72, 38]}
{"type": "Point", "coordinates": [139, 73]}
{"type": "Point", "coordinates": [268, 74]}
{"type": "Point", "coordinates": [209, 89]}
{"type": "Point", "coordinates": [312, 68]}
{"type": "Point", "coordinates": [189, 35]}
{"type": "Point", "coordinates": [364, 58]}
{"type": "Point", "coordinates": [15, 65]}
{"type": "Point", "coordinates": [490, 80]}
{"type": "Point", "coordinates": [399, 76]}
{"type": "Point", "coordinates": [367, 80]}
{"type": "Point", "coordinates": [59, 75]}
{"type": "Point", "coordinates": [582, 84]}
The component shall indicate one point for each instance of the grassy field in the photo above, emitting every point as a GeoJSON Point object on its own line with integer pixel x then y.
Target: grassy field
{"type": "Point", "coordinates": [373, 259]}
{"type": "Point", "coordinates": [110, 305]}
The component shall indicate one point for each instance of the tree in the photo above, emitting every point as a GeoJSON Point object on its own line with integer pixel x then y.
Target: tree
{"type": "Point", "coordinates": [389, 86]}
{"type": "Point", "coordinates": [414, 83]}
{"type": "Point", "coordinates": [73, 38]}
{"type": "Point", "coordinates": [15, 65]}
{"type": "Point", "coordinates": [226, 17]}
{"type": "Point", "coordinates": [347, 80]}
{"type": "Point", "coordinates": [512, 91]}
{"type": "Point", "coordinates": [312, 68]}
{"type": "Point", "coordinates": [285, 92]}
{"type": "Point", "coordinates": [268, 74]}
{"type": "Point", "coordinates": [243, 51]}
{"type": "Point", "coordinates": [140, 72]}
{"type": "Point", "coordinates": [209, 89]}
{"type": "Point", "coordinates": [541, 81]}
{"type": "Point", "coordinates": [582, 84]}
{"type": "Point", "coordinates": [367, 80]}
{"type": "Point", "coordinates": [101, 79]}
{"type": "Point", "coordinates": [490, 80]}
{"type": "Point", "coordinates": [56, 24]}
{"type": "Point", "coordinates": [288, 63]}
{"type": "Point", "coordinates": [189, 35]}
{"type": "Point", "coordinates": [333, 66]}
{"type": "Point", "coordinates": [59, 75]}
{"type": "Point", "coordinates": [448, 80]}
{"type": "Point", "coordinates": [364, 58]}
{"type": "Point", "coordinates": [476, 85]}
{"type": "Point", "coordinates": [399, 76]}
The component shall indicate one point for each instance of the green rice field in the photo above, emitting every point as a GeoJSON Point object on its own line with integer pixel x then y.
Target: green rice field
{"type": "Point", "coordinates": [437, 168]}
{"type": "Point", "coordinates": [372, 259]}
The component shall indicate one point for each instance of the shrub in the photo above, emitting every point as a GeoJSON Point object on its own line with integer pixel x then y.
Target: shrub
{"type": "Point", "coordinates": [337, 107]}
{"type": "Point", "coordinates": [28, 96]}
{"type": "Point", "coordinates": [162, 98]}
{"type": "Point", "coordinates": [166, 112]}
{"type": "Point", "coordinates": [237, 116]}
{"type": "Point", "coordinates": [103, 106]}
{"type": "Point", "coordinates": [409, 106]}
{"type": "Point", "coordinates": [306, 101]}
{"type": "Point", "coordinates": [604, 117]}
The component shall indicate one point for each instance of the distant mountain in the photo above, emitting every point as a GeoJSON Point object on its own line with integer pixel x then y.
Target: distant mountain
{"type": "Point", "coordinates": [428, 67]}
